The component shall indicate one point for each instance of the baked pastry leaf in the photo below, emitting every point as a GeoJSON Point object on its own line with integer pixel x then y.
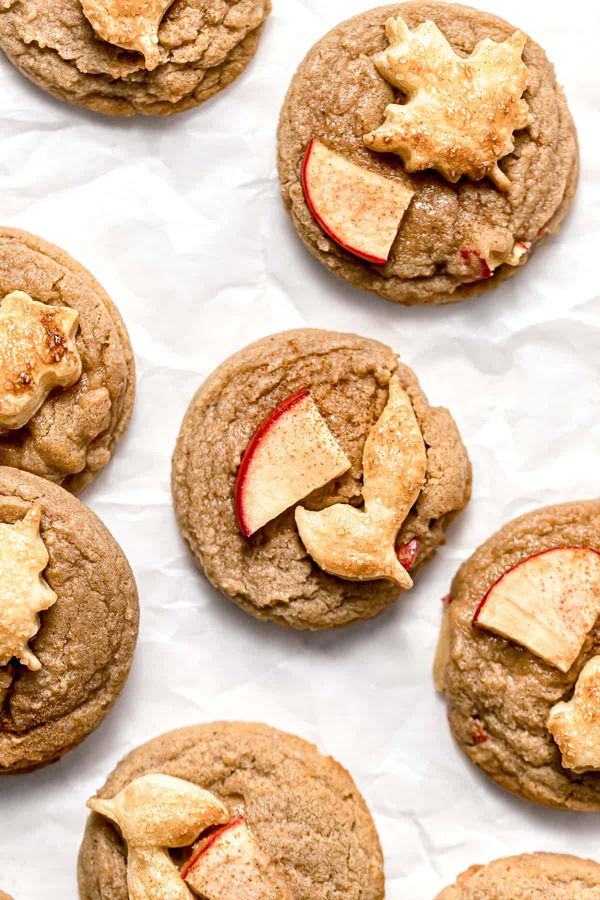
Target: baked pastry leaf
{"type": "Point", "coordinates": [460, 113]}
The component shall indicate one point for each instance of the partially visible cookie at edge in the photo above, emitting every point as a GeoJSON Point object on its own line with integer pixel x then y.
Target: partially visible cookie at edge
{"type": "Point", "coordinates": [197, 49]}
{"type": "Point", "coordinates": [303, 808]}
{"type": "Point", "coordinates": [519, 656]}
{"type": "Point", "coordinates": [547, 876]}
{"type": "Point", "coordinates": [271, 574]}
{"type": "Point", "coordinates": [57, 686]}
{"type": "Point", "coordinates": [73, 434]}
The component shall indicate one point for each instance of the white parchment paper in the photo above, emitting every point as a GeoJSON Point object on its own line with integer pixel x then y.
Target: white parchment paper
{"type": "Point", "coordinates": [181, 221]}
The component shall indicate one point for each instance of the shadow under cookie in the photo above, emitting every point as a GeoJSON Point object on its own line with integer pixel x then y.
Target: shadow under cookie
{"type": "Point", "coordinates": [303, 809]}
{"type": "Point", "coordinates": [76, 664]}
{"type": "Point", "coordinates": [270, 574]}
{"type": "Point", "coordinates": [454, 240]}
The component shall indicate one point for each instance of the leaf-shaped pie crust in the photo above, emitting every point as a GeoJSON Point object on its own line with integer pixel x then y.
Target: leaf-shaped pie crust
{"type": "Point", "coordinates": [37, 354]}
{"type": "Point", "coordinates": [131, 24]}
{"type": "Point", "coordinates": [460, 113]}
{"type": "Point", "coordinates": [359, 544]}
{"type": "Point", "coordinates": [23, 593]}
{"type": "Point", "coordinates": [575, 726]}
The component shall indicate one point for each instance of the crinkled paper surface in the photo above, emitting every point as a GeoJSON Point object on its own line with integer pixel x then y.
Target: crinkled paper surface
{"type": "Point", "coordinates": [181, 220]}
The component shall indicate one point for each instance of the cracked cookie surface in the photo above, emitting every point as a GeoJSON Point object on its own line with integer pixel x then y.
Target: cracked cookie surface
{"type": "Point", "coordinates": [303, 808]}
{"type": "Point", "coordinates": [73, 435]}
{"type": "Point", "coordinates": [271, 575]}
{"type": "Point", "coordinates": [338, 95]}
{"type": "Point", "coordinates": [203, 47]}
{"type": "Point", "coordinates": [86, 640]}
{"type": "Point", "coordinates": [499, 694]}
{"type": "Point", "coordinates": [537, 876]}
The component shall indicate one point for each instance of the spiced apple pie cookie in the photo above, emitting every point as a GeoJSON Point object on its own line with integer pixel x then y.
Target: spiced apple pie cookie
{"type": "Point", "coordinates": [132, 56]}
{"type": "Point", "coordinates": [4, 896]}
{"type": "Point", "coordinates": [67, 376]}
{"type": "Point", "coordinates": [425, 151]}
{"type": "Point", "coordinates": [537, 876]}
{"type": "Point", "coordinates": [311, 476]}
{"type": "Point", "coordinates": [230, 811]}
{"type": "Point", "coordinates": [68, 621]}
{"type": "Point", "coordinates": [519, 656]}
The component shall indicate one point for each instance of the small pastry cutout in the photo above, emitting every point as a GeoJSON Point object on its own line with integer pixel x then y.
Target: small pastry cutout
{"type": "Point", "coordinates": [131, 24]}
{"type": "Point", "coordinates": [460, 113]}
{"type": "Point", "coordinates": [359, 544]}
{"type": "Point", "coordinates": [37, 354]}
{"type": "Point", "coordinates": [24, 593]}
{"type": "Point", "coordinates": [575, 726]}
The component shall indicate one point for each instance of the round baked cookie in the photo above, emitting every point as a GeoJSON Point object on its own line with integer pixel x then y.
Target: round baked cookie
{"type": "Point", "coordinates": [65, 680]}
{"type": "Point", "coordinates": [303, 808]}
{"type": "Point", "coordinates": [453, 238]}
{"type": "Point", "coordinates": [500, 690]}
{"type": "Point", "coordinates": [537, 876]}
{"type": "Point", "coordinates": [4, 896]}
{"type": "Point", "coordinates": [73, 434]}
{"type": "Point", "coordinates": [202, 47]}
{"type": "Point", "coordinates": [270, 574]}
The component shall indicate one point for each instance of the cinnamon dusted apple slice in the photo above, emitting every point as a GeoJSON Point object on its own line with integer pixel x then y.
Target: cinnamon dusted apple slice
{"type": "Point", "coordinates": [548, 603]}
{"type": "Point", "coordinates": [291, 454]}
{"type": "Point", "coordinates": [575, 726]}
{"type": "Point", "coordinates": [359, 209]}
{"type": "Point", "coordinates": [359, 544]}
{"type": "Point", "coordinates": [229, 865]}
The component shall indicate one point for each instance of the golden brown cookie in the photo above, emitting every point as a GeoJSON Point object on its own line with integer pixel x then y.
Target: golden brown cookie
{"type": "Point", "coordinates": [72, 435]}
{"type": "Point", "coordinates": [520, 624]}
{"type": "Point", "coordinates": [303, 808]}
{"type": "Point", "coordinates": [455, 235]}
{"type": "Point", "coordinates": [119, 68]}
{"type": "Point", "coordinates": [59, 673]}
{"type": "Point", "coordinates": [537, 876]}
{"type": "Point", "coordinates": [270, 573]}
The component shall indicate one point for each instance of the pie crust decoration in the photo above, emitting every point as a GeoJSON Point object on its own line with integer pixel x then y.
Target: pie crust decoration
{"type": "Point", "coordinates": [461, 112]}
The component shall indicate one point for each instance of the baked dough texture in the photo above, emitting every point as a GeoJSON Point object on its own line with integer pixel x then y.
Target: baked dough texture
{"type": "Point", "coordinates": [337, 95]}
{"type": "Point", "coordinates": [535, 876]}
{"type": "Point", "coordinates": [72, 437]}
{"type": "Point", "coordinates": [271, 574]}
{"type": "Point", "coordinates": [86, 640]}
{"type": "Point", "coordinates": [204, 45]}
{"type": "Point", "coordinates": [303, 808]}
{"type": "Point", "coordinates": [4, 896]}
{"type": "Point", "coordinates": [499, 694]}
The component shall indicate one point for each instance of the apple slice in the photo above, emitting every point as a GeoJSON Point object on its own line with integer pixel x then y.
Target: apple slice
{"type": "Point", "coordinates": [229, 865]}
{"type": "Point", "coordinates": [548, 603]}
{"type": "Point", "coordinates": [359, 209]}
{"type": "Point", "coordinates": [291, 454]}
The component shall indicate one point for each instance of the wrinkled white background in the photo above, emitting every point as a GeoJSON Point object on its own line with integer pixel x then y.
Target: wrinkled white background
{"type": "Point", "coordinates": [181, 221]}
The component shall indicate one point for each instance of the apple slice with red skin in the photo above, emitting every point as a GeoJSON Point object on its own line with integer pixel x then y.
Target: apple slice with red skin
{"type": "Point", "coordinates": [548, 603]}
{"type": "Point", "coordinates": [290, 455]}
{"type": "Point", "coordinates": [229, 865]}
{"type": "Point", "coordinates": [407, 553]}
{"type": "Point", "coordinates": [358, 208]}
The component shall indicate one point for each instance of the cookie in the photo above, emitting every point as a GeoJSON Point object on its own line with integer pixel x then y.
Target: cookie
{"type": "Point", "coordinates": [122, 58]}
{"type": "Point", "coordinates": [539, 876]}
{"type": "Point", "coordinates": [302, 808]}
{"type": "Point", "coordinates": [518, 656]}
{"type": "Point", "coordinates": [274, 573]}
{"type": "Point", "coordinates": [67, 640]}
{"type": "Point", "coordinates": [419, 202]}
{"type": "Point", "coordinates": [4, 896]}
{"type": "Point", "coordinates": [65, 430]}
